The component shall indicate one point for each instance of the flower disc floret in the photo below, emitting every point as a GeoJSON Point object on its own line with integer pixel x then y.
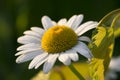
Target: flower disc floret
{"type": "Point", "coordinates": [58, 39]}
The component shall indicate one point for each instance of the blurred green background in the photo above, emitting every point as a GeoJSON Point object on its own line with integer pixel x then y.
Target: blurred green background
{"type": "Point", "coordinates": [17, 16]}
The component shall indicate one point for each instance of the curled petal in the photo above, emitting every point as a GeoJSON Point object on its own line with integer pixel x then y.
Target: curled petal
{"type": "Point", "coordinates": [64, 58]}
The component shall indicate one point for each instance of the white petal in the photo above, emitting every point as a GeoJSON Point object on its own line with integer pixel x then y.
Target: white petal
{"type": "Point", "coordinates": [50, 62]}
{"type": "Point", "coordinates": [28, 39]}
{"type": "Point", "coordinates": [27, 57]}
{"type": "Point", "coordinates": [77, 21]}
{"type": "Point", "coordinates": [72, 54]}
{"type": "Point", "coordinates": [41, 62]}
{"type": "Point", "coordinates": [85, 27]}
{"type": "Point", "coordinates": [62, 21]}
{"type": "Point", "coordinates": [84, 38]}
{"type": "Point", "coordinates": [47, 23]}
{"type": "Point", "coordinates": [37, 50]}
{"type": "Point", "coordinates": [54, 23]}
{"type": "Point", "coordinates": [29, 46]}
{"type": "Point", "coordinates": [83, 50]}
{"type": "Point", "coordinates": [64, 58]}
{"type": "Point", "coordinates": [71, 21]}
{"type": "Point", "coordinates": [81, 27]}
{"type": "Point", "coordinates": [38, 30]}
{"type": "Point", "coordinates": [37, 60]}
{"type": "Point", "coordinates": [32, 33]}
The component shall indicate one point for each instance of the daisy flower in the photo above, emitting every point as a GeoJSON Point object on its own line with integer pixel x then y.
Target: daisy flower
{"type": "Point", "coordinates": [61, 40]}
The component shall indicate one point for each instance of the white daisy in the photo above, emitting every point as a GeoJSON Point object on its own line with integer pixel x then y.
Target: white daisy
{"type": "Point", "coordinates": [60, 40]}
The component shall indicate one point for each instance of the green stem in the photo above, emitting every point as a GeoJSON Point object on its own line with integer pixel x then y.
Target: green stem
{"type": "Point", "coordinates": [72, 68]}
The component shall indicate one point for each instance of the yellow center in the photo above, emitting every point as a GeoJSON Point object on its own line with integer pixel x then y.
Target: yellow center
{"type": "Point", "coordinates": [58, 39]}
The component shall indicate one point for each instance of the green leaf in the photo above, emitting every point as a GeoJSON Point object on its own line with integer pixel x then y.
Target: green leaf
{"type": "Point", "coordinates": [112, 19]}
{"type": "Point", "coordinates": [41, 76]}
{"type": "Point", "coordinates": [116, 25]}
{"type": "Point", "coordinates": [64, 73]}
{"type": "Point", "coordinates": [103, 43]}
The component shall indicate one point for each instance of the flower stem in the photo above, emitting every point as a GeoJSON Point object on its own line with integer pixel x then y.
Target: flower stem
{"type": "Point", "coordinates": [72, 68]}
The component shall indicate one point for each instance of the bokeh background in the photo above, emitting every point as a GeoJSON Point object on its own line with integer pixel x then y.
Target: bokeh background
{"type": "Point", "coordinates": [17, 16]}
